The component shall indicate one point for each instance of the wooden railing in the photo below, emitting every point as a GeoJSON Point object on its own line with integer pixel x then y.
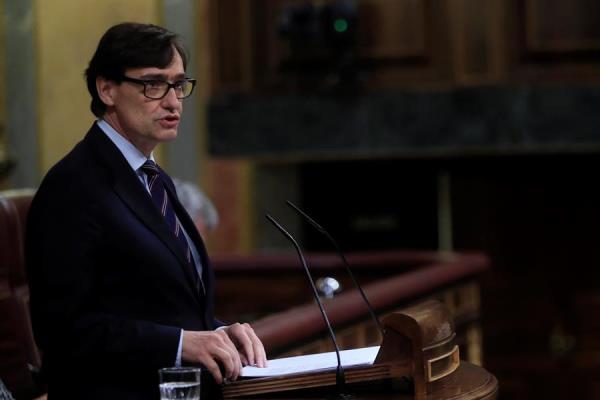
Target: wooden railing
{"type": "Point", "coordinates": [392, 280]}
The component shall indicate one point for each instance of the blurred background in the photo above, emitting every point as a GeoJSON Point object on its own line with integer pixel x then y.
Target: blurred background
{"type": "Point", "coordinates": [447, 125]}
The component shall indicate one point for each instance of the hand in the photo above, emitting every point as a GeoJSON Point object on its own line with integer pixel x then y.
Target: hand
{"type": "Point", "coordinates": [251, 349]}
{"type": "Point", "coordinates": [213, 349]}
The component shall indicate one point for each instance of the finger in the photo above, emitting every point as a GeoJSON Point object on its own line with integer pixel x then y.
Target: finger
{"type": "Point", "coordinates": [249, 344]}
{"type": "Point", "coordinates": [230, 348]}
{"type": "Point", "coordinates": [260, 355]}
{"type": "Point", "coordinates": [213, 368]}
{"type": "Point", "coordinates": [245, 342]}
{"type": "Point", "coordinates": [226, 360]}
{"type": "Point", "coordinates": [244, 360]}
{"type": "Point", "coordinates": [252, 345]}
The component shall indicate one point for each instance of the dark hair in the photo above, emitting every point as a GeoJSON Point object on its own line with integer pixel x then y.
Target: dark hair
{"type": "Point", "coordinates": [130, 45]}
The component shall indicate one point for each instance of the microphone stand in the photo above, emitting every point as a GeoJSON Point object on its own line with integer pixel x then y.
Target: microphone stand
{"type": "Point", "coordinates": [340, 378]}
{"type": "Point", "coordinates": [343, 258]}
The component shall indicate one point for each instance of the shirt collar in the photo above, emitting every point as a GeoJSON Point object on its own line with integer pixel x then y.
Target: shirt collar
{"type": "Point", "coordinates": [134, 157]}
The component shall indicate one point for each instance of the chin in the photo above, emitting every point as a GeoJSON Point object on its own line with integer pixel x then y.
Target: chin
{"type": "Point", "coordinates": [167, 136]}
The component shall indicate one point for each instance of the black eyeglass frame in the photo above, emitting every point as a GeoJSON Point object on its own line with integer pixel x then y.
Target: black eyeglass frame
{"type": "Point", "coordinates": [170, 86]}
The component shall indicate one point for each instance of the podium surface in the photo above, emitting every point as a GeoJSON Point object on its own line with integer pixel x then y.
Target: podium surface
{"type": "Point", "coordinates": [468, 382]}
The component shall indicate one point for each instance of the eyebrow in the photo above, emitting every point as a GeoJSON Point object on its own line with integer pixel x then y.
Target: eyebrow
{"type": "Point", "coordinates": [162, 77]}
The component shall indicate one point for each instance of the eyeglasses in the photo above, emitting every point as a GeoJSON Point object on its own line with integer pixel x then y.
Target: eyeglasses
{"type": "Point", "coordinates": [156, 89]}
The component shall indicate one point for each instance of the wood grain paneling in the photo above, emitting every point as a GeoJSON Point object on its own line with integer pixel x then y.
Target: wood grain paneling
{"type": "Point", "coordinates": [392, 29]}
{"type": "Point", "coordinates": [553, 41]}
{"type": "Point", "coordinates": [420, 43]}
{"type": "Point", "coordinates": [405, 43]}
{"type": "Point", "coordinates": [478, 40]}
{"type": "Point", "coordinates": [227, 46]}
{"type": "Point", "coordinates": [397, 42]}
{"type": "Point", "coordinates": [557, 26]}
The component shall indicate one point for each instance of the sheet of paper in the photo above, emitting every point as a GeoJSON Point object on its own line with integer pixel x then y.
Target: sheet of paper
{"type": "Point", "coordinates": [313, 362]}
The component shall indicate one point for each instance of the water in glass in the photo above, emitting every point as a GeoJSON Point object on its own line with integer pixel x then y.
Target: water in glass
{"type": "Point", "coordinates": [180, 391]}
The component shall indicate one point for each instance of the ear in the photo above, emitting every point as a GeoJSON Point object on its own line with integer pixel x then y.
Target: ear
{"type": "Point", "coordinates": [106, 90]}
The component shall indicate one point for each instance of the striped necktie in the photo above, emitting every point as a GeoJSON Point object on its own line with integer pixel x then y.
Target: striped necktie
{"type": "Point", "coordinates": [161, 199]}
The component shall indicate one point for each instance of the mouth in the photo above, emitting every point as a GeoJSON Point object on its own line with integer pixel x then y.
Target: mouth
{"type": "Point", "coordinates": [170, 121]}
{"type": "Point", "coordinates": [171, 118]}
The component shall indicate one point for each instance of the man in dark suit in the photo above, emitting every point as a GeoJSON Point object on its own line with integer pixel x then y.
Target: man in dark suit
{"type": "Point", "coordinates": [120, 281]}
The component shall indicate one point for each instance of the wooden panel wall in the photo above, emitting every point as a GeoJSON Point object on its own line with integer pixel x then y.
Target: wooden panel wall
{"type": "Point", "coordinates": [397, 40]}
{"type": "Point", "coordinates": [422, 43]}
{"type": "Point", "coordinates": [555, 26]}
{"type": "Point", "coordinates": [554, 41]}
{"type": "Point", "coordinates": [392, 29]}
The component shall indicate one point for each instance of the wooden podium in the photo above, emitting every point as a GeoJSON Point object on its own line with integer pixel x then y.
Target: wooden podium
{"type": "Point", "coordinates": [418, 344]}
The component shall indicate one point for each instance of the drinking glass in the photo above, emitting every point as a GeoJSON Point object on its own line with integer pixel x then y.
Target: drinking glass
{"type": "Point", "coordinates": [179, 383]}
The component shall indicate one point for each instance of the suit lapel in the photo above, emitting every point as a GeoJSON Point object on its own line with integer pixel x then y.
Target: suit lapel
{"type": "Point", "coordinates": [130, 190]}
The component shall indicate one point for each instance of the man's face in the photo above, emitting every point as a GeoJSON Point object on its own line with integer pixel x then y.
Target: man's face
{"type": "Point", "coordinates": [144, 122]}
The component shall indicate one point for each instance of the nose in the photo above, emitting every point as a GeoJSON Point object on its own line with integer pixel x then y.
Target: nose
{"type": "Point", "coordinates": [170, 101]}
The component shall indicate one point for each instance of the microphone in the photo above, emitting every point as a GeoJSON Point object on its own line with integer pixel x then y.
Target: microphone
{"type": "Point", "coordinates": [340, 379]}
{"type": "Point", "coordinates": [341, 255]}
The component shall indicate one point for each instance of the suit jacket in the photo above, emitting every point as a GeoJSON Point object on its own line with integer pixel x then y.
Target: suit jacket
{"type": "Point", "coordinates": [110, 287]}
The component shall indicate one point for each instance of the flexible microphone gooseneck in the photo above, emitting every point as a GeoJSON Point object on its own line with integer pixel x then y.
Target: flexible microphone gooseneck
{"type": "Point", "coordinates": [341, 255]}
{"type": "Point", "coordinates": [340, 378]}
